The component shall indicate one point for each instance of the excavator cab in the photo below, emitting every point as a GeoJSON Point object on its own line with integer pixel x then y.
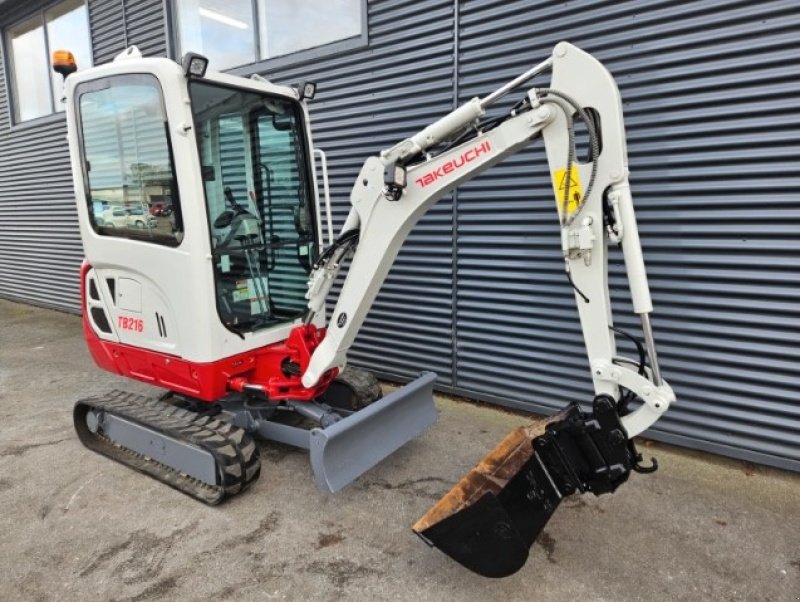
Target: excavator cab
{"type": "Point", "coordinates": [201, 225]}
{"type": "Point", "coordinates": [252, 184]}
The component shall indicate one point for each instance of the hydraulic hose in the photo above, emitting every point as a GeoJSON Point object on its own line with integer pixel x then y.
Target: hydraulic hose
{"type": "Point", "coordinates": [593, 142]}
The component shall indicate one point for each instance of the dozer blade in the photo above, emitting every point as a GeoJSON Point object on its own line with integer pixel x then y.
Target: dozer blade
{"type": "Point", "coordinates": [342, 452]}
{"type": "Point", "coordinates": [490, 519]}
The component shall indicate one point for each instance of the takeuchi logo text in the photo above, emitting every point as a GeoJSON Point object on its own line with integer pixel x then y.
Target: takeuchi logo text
{"type": "Point", "coordinates": [454, 164]}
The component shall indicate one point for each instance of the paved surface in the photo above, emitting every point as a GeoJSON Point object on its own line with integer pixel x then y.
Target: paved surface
{"type": "Point", "coordinates": [75, 526]}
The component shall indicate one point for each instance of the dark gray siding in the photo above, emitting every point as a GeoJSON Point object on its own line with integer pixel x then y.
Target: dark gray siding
{"type": "Point", "coordinates": [702, 82]}
{"type": "Point", "coordinates": [367, 100]}
{"type": "Point", "coordinates": [109, 35]}
{"type": "Point", "coordinates": [478, 293]}
{"type": "Point", "coordinates": [710, 90]}
{"type": "Point", "coordinates": [145, 27]}
{"type": "Point", "coordinates": [40, 248]}
{"type": "Point", "coordinates": [117, 24]}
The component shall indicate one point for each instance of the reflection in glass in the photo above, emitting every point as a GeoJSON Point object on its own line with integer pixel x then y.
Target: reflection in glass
{"type": "Point", "coordinates": [222, 30]}
{"type": "Point", "coordinates": [37, 88]}
{"type": "Point", "coordinates": [256, 178]}
{"type": "Point", "coordinates": [287, 26]}
{"type": "Point", "coordinates": [30, 70]}
{"type": "Point", "coordinates": [131, 189]}
{"type": "Point", "coordinates": [67, 29]}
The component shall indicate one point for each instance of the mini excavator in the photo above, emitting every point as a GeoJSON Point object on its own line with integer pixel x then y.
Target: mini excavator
{"type": "Point", "coordinates": [219, 296]}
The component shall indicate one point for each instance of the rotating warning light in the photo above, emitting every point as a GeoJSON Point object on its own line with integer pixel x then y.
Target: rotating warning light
{"type": "Point", "coordinates": [64, 63]}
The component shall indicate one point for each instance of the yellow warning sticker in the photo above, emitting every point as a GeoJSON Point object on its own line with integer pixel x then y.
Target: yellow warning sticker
{"type": "Point", "coordinates": [560, 183]}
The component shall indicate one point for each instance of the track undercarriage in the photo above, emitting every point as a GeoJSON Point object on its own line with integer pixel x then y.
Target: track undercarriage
{"type": "Point", "coordinates": [208, 451]}
{"type": "Point", "coordinates": [206, 458]}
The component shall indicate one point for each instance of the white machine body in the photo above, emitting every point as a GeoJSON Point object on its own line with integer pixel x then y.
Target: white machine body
{"type": "Point", "coordinates": [164, 294]}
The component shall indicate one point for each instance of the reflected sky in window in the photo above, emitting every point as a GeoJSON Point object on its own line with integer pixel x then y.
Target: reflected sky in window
{"type": "Point", "coordinates": [225, 30]}
{"type": "Point", "coordinates": [63, 22]}
{"type": "Point", "coordinates": [288, 26]}
{"type": "Point", "coordinates": [222, 30]}
{"type": "Point", "coordinates": [30, 70]}
{"type": "Point", "coordinates": [37, 88]}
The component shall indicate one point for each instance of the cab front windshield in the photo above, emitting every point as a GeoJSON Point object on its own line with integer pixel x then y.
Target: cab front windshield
{"type": "Point", "coordinates": [258, 201]}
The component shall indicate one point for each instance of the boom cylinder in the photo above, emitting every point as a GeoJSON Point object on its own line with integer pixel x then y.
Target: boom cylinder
{"type": "Point", "coordinates": [460, 118]}
{"type": "Point", "coordinates": [450, 124]}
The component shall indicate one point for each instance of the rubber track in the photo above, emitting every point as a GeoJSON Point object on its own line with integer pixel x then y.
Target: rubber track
{"type": "Point", "coordinates": [363, 383]}
{"type": "Point", "coordinates": [234, 451]}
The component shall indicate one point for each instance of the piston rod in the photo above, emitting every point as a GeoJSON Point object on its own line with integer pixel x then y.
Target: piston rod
{"type": "Point", "coordinates": [516, 82]}
{"type": "Point", "coordinates": [650, 345]}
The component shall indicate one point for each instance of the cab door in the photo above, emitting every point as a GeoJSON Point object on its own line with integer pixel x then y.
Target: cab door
{"type": "Point", "coordinates": [127, 162]}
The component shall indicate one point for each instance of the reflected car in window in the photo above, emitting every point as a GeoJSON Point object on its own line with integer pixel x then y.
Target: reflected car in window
{"type": "Point", "coordinates": [139, 218]}
{"type": "Point", "coordinates": [126, 217]}
{"type": "Point", "coordinates": [113, 218]}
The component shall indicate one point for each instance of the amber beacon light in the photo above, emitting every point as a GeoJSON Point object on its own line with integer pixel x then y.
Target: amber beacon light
{"type": "Point", "coordinates": [64, 62]}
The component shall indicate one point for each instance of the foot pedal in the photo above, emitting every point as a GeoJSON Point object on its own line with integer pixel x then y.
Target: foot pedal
{"type": "Point", "coordinates": [490, 519]}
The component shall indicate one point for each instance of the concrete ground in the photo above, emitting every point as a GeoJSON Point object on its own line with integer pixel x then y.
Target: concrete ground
{"type": "Point", "coordinates": [76, 526]}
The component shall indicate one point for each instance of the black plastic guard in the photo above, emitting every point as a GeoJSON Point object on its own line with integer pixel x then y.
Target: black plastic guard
{"type": "Point", "coordinates": [580, 452]}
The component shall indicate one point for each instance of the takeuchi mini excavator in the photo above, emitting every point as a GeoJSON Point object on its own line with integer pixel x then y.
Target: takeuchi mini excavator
{"type": "Point", "coordinates": [219, 296]}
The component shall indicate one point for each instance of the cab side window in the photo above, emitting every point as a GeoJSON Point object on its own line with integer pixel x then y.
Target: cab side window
{"type": "Point", "coordinates": [129, 175]}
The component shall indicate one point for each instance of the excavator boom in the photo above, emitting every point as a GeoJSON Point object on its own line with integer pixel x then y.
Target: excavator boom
{"type": "Point", "coordinates": [491, 518]}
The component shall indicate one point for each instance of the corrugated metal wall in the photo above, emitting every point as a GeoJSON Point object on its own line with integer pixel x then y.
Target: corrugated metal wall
{"type": "Point", "coordinates": [117, 24]}
{"type": "Point", "coordinates": [710, 91]}
{"type": "Point", "coordinates": [40, 247]}
{"type": "Point", "coordinates": [702, 82]}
